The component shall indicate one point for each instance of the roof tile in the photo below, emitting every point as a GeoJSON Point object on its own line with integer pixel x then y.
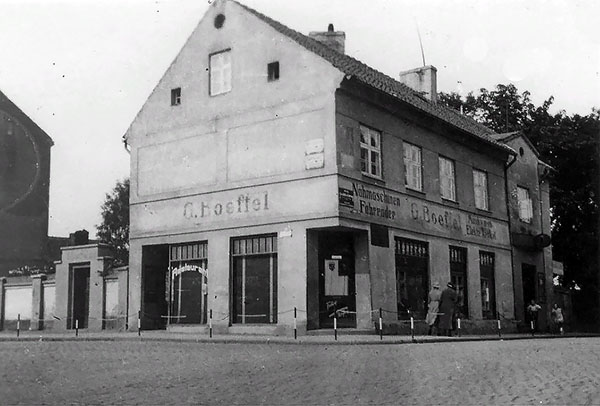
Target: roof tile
{"type": "Point", "coordinates": [382, 82]}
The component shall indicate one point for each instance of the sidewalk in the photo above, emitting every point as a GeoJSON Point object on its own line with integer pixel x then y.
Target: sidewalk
{"type": "Point", "coordinates": [342, 339]}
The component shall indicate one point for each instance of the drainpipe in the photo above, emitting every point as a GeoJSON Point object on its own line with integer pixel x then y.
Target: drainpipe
{"type": "Point", "coordinates": [510, 239]}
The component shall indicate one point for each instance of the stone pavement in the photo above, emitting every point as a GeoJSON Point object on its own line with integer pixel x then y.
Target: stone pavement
{"type": "Point", "coordinates": [177, 370]}
{"type": "Point", "coordinates": [343, 337]}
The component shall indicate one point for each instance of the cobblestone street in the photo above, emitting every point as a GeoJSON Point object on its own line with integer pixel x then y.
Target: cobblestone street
{"type": "Point", "coordinates": [555, 371]}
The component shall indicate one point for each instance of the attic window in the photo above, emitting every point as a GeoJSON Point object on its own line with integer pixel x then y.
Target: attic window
{"type": "Point", "coordinates": [273, 71]}
{"type": "Point", "coordinates": [176, 96]}
{"type": "Point", "coordinates": [521, 151]}
{"type": "Point", "coordinates": [219, 21]}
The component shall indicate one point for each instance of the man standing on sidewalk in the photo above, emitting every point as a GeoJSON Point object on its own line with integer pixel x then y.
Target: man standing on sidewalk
{"type": "Point", "coordinates": [447, 307]}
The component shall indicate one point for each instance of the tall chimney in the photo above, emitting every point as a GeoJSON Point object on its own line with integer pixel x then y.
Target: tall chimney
{"type": "Point", "coordinates": [422, 80]}
{"type": "Point", "coordinates": [331, 38]}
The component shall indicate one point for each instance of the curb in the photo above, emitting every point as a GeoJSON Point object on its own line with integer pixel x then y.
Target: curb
{"type": "Point", "coordinates": [276, 341]}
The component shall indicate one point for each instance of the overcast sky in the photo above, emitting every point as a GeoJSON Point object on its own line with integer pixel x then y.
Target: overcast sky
{"type": "Point", "coordinates": [83, 69]}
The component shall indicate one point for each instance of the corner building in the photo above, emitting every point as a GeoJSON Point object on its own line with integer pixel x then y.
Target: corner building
{"type": "Point", "coordinates": [270, 171]}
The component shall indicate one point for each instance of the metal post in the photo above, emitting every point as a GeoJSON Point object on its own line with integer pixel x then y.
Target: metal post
{"type": "Point", "coordinates": [139, 323]}
{"type": "Point", "coordinates": [335, 326]}
{"type": "Point", "coordinates": [499, 329]}
{"type": "Point", "coordinates": [210, 324]}
{"type": "Point", "coordinates": [295, 325]}
{"type": "Point", "coordinates": [380, 324]}
{"type": "Point", "coordinates": [18, 324]}
{"type": "Point", "coordinates": [76, 327]}
{"type": "Point", "coordinates": [412, 327]}
{"type": "Point", "coordinates": [458, 326]}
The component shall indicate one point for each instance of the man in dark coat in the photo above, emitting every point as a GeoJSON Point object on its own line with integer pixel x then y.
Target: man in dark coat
{"type": "Point", "coordinates": [447, 307]}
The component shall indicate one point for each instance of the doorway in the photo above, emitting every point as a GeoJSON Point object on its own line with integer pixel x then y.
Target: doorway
{"type": "Point", "coordinates": [337, 291]}
{"type": "Point", "coordinates": [412, 278]}
{"type": "Point", "coordinates": [79, 296]}
{"type": "Point", "coordinates": [528, 272]}
{"type": "Point", "coordinates": [155, 264]}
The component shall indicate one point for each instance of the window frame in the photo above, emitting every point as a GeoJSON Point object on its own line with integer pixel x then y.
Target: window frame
{"type": "Point", "coordinates": [487, 274]}
{"type": "Point", "coordinates": [245, 248]}
{"type": "Point", "coordinates": [370, 150]}
{"type": "Point", "coordinates": [483, 188]}
{"type": "Point", "coordinates": [452, 180]}
{"type": "Point", "coordinates": [525, 213]}
{"type": "Point", "coordinates": [222, 89]}
{"type": "Point", "coordinates": [176, 96]}
{"type": "Point", "coordinates": [409, 163]}
{"type": "Point", "coordinates": [275, 70]}
{"type": "Point", "coordinates": [458, 264]}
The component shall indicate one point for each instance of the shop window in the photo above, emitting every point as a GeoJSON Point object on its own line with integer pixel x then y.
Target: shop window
{"type": "Point", "coordinates": [220, 72]}
{"type": "Point", "coordinates": [176, 96]}
{"type": "Point", "coordinates": [370, 152]}
{"type": "Point", "coordinates": [273, 71]}
{"type": "Point", "coordinates": [447, 179]}
{"type": "Point", "coordinates": [254, 276]}
{"type": "Point", "coordinates": [188, 283]}
{"type": "Point", "coordinates": [413, 167]}
{"type": "Point", "coordinates": [488, 285]}
{"type": "Point", "coordinates": [412, 271]}
{"type": "Point", "coordinates": [458, 276]}
{"type": "Point", "coordinates": [480, 186]}
{"type": "Point", "coordinates": [525, 205]}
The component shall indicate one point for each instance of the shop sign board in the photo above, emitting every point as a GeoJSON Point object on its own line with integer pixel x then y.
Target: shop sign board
{"type": "Point", "coordinates": [285, 201]}
{"type": "Point", "coordinates": [383, 206]}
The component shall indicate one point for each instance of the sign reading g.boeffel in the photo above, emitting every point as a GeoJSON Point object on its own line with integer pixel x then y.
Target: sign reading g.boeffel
{"type": "Point", "coordinates": [395, 209]}
{"type": "Point", "coordinates": [269, 203]}
{"type": "Point", "coordinates": [244, 203]}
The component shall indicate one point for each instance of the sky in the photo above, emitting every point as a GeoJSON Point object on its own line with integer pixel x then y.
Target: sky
{"type": "Point", "coordinates": [82, 69]}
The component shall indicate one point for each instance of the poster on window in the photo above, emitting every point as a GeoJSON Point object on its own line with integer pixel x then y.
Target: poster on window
{"type": "Point", "coordinates": [335, 284]}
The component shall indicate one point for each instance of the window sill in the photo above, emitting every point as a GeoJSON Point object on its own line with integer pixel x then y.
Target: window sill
{"type": "Point", "coordinates": [415, 192]}
{"type": "Point", "coordinates": [452, 202]}
{"type": "Point", "coordinates": [373, 177]}
{"type": "Point", "coordinates": [483, 211]}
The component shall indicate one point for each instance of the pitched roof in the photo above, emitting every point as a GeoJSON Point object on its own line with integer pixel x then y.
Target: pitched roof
{"type": "Point", "coordinates": [505, 138]}
{"type": "Point", "coordinates": [382, 82]}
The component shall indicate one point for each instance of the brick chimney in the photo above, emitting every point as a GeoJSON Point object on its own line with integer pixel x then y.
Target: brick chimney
{"type": "Point", "coordinates": [423, 80]}
{"type": "Point", "coordinates": [331, 38]}
{"type": "Point", "coordinates": [80, 237]}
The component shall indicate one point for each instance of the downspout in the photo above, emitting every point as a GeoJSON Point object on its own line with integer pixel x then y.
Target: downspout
{"type": "Point", "coordinates": [510, 239]}
{"type": "Point", "coordinates": [125, 145]}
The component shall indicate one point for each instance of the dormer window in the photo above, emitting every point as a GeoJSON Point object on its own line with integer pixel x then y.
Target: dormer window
{"type": "Point", "coordinates": [220, 72]}
{"type": "Point", "coordinates": [273, 71]}
{"type": "Point", "coordinates": [176, 96]}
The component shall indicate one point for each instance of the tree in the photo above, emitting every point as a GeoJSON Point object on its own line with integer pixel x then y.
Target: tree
{"type": "Point", "coordinates": [114, 229]}
{"type": "Point", "coordinates": [570, 144]}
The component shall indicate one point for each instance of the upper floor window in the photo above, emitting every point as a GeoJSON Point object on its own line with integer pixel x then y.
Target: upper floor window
{"type": "Point", "coordinates": [273, 71]}
{"type": "Point", "coordinates": [413, 178]}
{"type": "Point", "coordinates": [220, 72]}
{"type": "Point", "coordinates": [525, 205]}
{"type": "Point", "coordinates": [176, 96]}
{"type": "Point", "coordinates": [480, 185]}
{"type": "Point", "coordinates": [447, 179]}
{"type": "Point", "coordinates": [370, 151]}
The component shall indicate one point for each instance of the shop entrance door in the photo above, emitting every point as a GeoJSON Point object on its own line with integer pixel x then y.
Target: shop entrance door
{"type": "Point", "coordinates": [337, 292]}
{"type": "Point", "coordinates": [412, 278]}
{"type": "Point", "coordinates": [79, 296]}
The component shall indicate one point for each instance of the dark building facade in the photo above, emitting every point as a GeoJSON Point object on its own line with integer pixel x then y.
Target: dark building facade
{"type": "Point", "coordinates": [24, 189]}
